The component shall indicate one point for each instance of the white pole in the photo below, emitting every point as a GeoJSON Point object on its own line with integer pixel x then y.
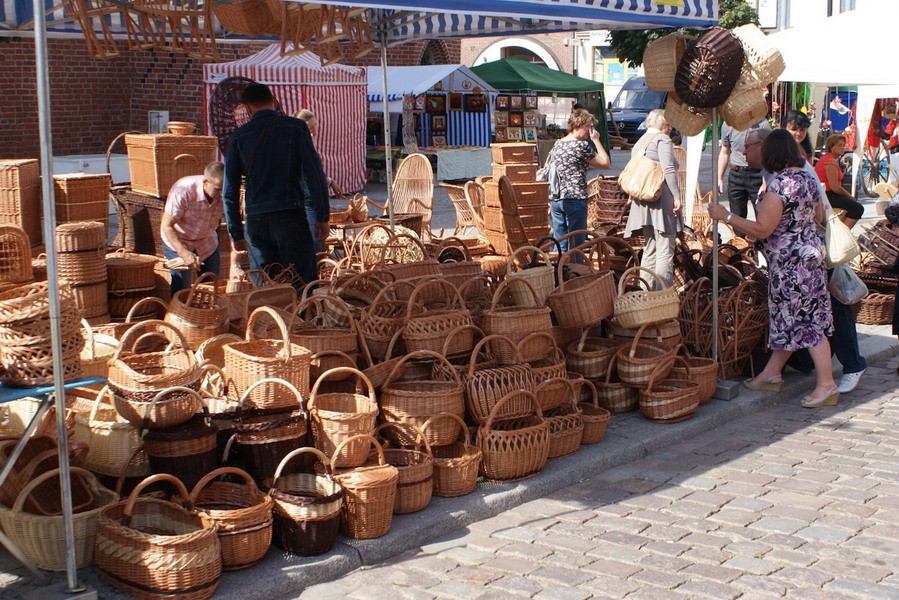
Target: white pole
{"type": "Point", "coordinates": [388, 160]}
{"type": "Point", "coordinates": [715, 151]}
{"type": "Point", "coordinates": [49, 204]}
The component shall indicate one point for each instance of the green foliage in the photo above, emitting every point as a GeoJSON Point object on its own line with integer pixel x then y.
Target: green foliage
{"type": "Point", "coordinates": [630, 45]}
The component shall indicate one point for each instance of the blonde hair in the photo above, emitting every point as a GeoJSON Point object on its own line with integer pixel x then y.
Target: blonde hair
{"type": "Point", "coordinates": [656, 119]}
{"type": "Point", "coordinates": [832, 141]}
{"type": "Point", "coordinates": [304, 114]}
{"type": "Point", "coordinates": [580, 117]}
{"type": "Point", "coordinates": [214, 171]}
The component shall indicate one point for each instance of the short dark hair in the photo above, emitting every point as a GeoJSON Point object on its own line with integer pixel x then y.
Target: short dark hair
{"type": "Point", "coordinates": [796, 117]}
{"type": "Point", "coordinates": [257, 94]}
{"type": "Point", "coordinates": [780, 150]}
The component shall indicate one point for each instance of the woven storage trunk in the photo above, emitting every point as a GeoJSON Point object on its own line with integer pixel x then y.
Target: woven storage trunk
{"type": "Point", "coordinates": [20, 196]}
{"type": "Point", "coordinates": [456, 464]}
{"type": "Point", "coordinates": [493, 218]}
{"type": "Point", "coordinates": [157, 161]}
{"type": "Point", "coordinates": [533, 193]}
{"type": "Point", "coordinates": [515, 172]}
{"type": "Point", "coordinates": [82, 197]}
{"type": "Point", "coordinates": [514, 153]}
{"type": "Point", "coordinates": [514, 449]}
{"type": "Point", "coordinates": [491, 194]}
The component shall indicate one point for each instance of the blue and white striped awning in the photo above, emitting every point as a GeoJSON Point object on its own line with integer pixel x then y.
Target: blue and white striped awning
{"type": "Point", "coordinates": [402, 81]}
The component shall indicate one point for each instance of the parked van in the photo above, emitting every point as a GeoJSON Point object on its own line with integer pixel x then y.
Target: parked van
{"type": "Point", "coordinates": [631, 105]}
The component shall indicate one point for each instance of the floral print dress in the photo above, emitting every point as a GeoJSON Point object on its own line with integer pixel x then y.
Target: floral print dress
{"type": "Point", "coordinates": [799, 313]}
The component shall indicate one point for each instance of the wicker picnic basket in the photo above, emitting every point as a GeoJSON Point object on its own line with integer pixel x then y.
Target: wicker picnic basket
{"type": "Point", "coordinates": [198, 313]}
{"type": "Point", "coordinates": [595, 417]}
{"type": "Point", "coordinates": [338, 416]}
{"type": "Point", "coordinates": [582, 301]}
{"type": "Point", "coordinates": [709, 68]}
{"type": "Point", "coordinates": [426, 328]}
{"type": "Point", "coordinates": [517, 322]}
{"type": "Point", "coordinates": [371, 490]}
{"type": "Point", "coordinates": [156, 549]}
{"type": "Point", "coordinates": [669, 400]}
{"type": "Point", "coordinates": [135, 379]}
{"type": "Point", "coordinates": [566, 424]}
{"type": "Point", "coordinates": [660, 60]}
{"type": "Point", "coordinates": [633, 309]}
{"type": "Point", "coordinates": [306, 510]}
{"type": "Point", "coordinates": [253, 359]}
{"type": "Point", "coordinates": [616, 396]}
{"type": "Point", "coordinates": [513, 449]}
{"type": "Point", "coordinates": [15, 255]}
{"type": "Point", "coordinates": [703, 371]}
{"type": "Point", "coordinates": [416, 401]}
{"type": "Point", "coordinates": [42, 538]}
{"type": "Point", "coordinates": [415, 468]}
{"type": "Point", "coordinates": [110, 439]}
{"type": "Point", "coordinates": [486, 384]}
{"type": "Point", "coordinates": [637, 363]}
{"type": "Point", "coordinates": [876, 309]}
{"type": "Point", "coordinates": [456, 464]}
{"type": "Point", "coordinates": [242, 513]}
{"type": "Point", "coordinates": [541, 277]}
{"type": "Point", "coordinates": [590, 356]}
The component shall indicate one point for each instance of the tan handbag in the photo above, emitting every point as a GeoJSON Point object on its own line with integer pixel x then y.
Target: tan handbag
{"type": "Point", "coordinates": [840, 243]}
{"type": "Point", "coordinates": [642, 177]}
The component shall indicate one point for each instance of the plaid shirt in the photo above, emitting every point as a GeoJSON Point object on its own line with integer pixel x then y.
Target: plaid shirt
{"type": "Point", "coordinates": [196, 218]}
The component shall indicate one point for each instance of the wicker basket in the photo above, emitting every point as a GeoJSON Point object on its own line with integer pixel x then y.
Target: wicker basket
{"type": "Point", "coordinates": [487, 384]}
{"type": "Point", "coordinates": [456, 464]}
{"type": "Point", "coordinates": [513, 449]}
{"type": "Point", "coordinates": [306, 507]}
{"type": "Point", "coordinates": [181, 127]}
{"type": "Point", "coordinates": [426, 329]}
{"type": "Point", "coordinates": [590, 356]}
{"type": "Point", "coordinates": [339, 416]}
{"type": "Point", "coordinates": [517, 322]}
{"type": "Point", "coordinates": [246, 17]}
{"type": "Point", "coordinates": [198, 313]}
{"type": "Point", "coordinates": [764, 59]}
{"type": "Point", "coordinates": [157, 161]}
{"type": "Point", "coordinates": [637, 364]}
{"type": "Point", "coordinates": [97, 351]}
{"type": "Point", "coordinates": [254, 359]}
{"type": "Point", "coordinates": [595, 417]}
{"type": "Point", "coordinates": [110, 440]}
{"type": "Point", "coordinates": [242, 513]}
{"type": "Point", "coordinates": [709, 69]}
{"type": "Point", "coordinates": [15, 255]}
{"type": "Point", "coordinates": [689, 120]}
{"type": "Point", "coordinates": [746, 105]}
{"type": "Point", "coordinates": [312, 325]}
{"type": "Point", "coordinates": [702, 371]}
{"type": "Point", "coordinates": [669, 331]}
{"type": "Point", "coordinates": [541, 277]}
{"type": "Point", "coordinates": [616, 396]}
{"type": "Point", "coordinates": [383, 318]}
{"type": "Point", "coordinates": [514, 153]}
{"type": "Point", "coordinates": [634, 309]}
{"type": "Point", "coordinates": [82, 197]}
{"type": "Point", "coordinates": [669, 400]}
{"type": "Point", "coordinates": [155, 549]}
{"type": "Point", "coordinates": [566, 426]}
{"type": "Point", "coordinates": [415, 468]}
{"type": "Point", "coordinates": [660, 60]}
{"type": "Point", "coordinates": [876, 309]}
{"type": "Point", "coordinates": [582, 301]}
{"type": "Point", "coordinates": [370, 492]}
{"type": "Point", "coordinates": [20, 196]}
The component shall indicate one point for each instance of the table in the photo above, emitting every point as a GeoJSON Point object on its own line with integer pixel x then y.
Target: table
{"type": "Point", "coordinates": [460, 162]}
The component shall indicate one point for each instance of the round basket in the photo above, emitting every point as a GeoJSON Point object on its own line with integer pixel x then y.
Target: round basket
{"type": "Point", "coordinates": [661, 58]}
{"type": "Point", "coordinates": [582, 301]}
{"type": "Point", "coordinates": [689, 120]}
{"type": "Point", "coordinates": [306, 507]}
{"type": "Point", "coordinates": [370, 492]}
{"type": "Point", "coordinates": [456, 464]}
{"type": "Point", "coordinates": [595, 417]}
{"type": "Point", "coordinates": [198, 312]}
{"type": "Point", "coordinates": [764, 59]}
{"type": "Point", "coordinates": [590, 356]}
{"type": "Point", "coordinates": [746, 105]}
{"type": "Point", "coordinates": [702, 371]}
{"type": "Point", "coordinates": [487, 384]}
{"type": "Point", "coordinates": [540, 277]}
{"type": "Point", "coordinates": [380, 321]}
{"type": "Point", "coordinates": [633, 309]}
{"type": "Point", "coordinates": [311, 326]}
{"type": "Point", "coordinates": [709, 69]}
{"type": "Point", "coordinates": [130, 271]}
{"type": "Point", "coordinates": [242, 513]}
{"type": "Point", "coordinates": [110, 440]}
{"type": "Point", "coordinates": [669, 400]}
{"type": "Point", "coordinates": [616, 396]}
{"type": "Point", "coordinates": [566, 426]}
{"type": "Point", "coordinates": [181, 127]}
{"type": "Point", "coordinates": [637, 364]}
{"type": "Point", "coordinates": [669, 331]}
{"type": "Point", "coordinates": [336, 417]}
{"type": "Point", "coordinates": [426, 328]}
{"type": "Point", "coordinates": [513, 449]}
{"type": "Point", "coordinates": [517, 322]}
{"type": "Point", "coordinates": [415, 469]}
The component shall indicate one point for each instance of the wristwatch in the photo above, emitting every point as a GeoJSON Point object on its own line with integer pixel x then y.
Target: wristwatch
{"type": "Point", "coordinates": [728, 218]}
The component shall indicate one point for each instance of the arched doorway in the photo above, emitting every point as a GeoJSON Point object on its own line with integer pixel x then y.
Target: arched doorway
{"type": "Point", "coordinates": [518, 48]}
{"type": "Point", "coordinates": [434, 53]}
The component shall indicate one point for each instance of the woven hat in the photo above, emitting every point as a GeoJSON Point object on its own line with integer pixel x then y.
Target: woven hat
{"type": "Point", "coordinates": [709, 69]}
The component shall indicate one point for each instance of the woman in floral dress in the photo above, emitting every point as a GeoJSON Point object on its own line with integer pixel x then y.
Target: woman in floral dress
{"type": "Point", "coordinates": [799, 312]}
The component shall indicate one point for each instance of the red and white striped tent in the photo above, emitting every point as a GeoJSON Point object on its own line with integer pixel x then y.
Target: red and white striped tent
{"type": "Point", "coordinates": [335, 94]}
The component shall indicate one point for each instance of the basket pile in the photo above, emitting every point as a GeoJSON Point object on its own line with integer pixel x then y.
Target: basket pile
{"type": "Point", "coordinates": [82, 264]}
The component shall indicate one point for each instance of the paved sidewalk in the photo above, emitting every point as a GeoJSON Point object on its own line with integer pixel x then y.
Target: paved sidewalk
{"type": "Point", "coordinates": [786, 502]}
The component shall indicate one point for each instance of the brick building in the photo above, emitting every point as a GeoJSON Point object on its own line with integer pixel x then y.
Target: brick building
{"type": "Point", "coordinates": [93, 101]}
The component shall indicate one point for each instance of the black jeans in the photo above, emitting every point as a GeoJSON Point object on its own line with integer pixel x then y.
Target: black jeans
{"type": "Point", "coordinates": [742, 189]}
{"type": "Point", "coordinates": [281, 237]}
{"type": "Point", "coordinates": [854, 209]}
{"type": "Point", "coordinates": [843, 343]}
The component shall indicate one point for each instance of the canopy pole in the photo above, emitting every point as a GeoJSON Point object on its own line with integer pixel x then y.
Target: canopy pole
{"type": "Point", "coordinates": [43, 105]}
{"type": "Point", "coordinates": [715, 151]}
{"type": "Point", "coordinates": [388, 151]}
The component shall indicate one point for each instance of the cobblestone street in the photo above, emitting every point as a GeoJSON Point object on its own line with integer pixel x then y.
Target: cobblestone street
{"type": "Point", "coordinates": [788, 502]}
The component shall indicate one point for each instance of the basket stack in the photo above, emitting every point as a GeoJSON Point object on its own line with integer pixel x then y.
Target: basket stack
{"type": "Point", "coordinates": [607, 203]}
{"type": "Point", "coordinates": [130, 277]}
{"type": "Point", "coordinates": [82, 264]}
{"type": "Point", "coordinates": [20, 196]}
{"type": "Point", "coordinates": [518, 163]}
{"type": "Point", "coordinates": [82, 197]}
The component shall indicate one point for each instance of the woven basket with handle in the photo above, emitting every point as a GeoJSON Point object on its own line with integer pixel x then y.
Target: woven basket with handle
{"type": "Point", "coordinates": [339, 416]}
{"type": "Point", "coordinates": [370, 491]}
{"type": "Point", "coordinates": [514, 449]}
{"type": "Point", "coordinates": [633, 309]}
{"type": "Point", "coordinates": [456, 464]}
{"type": "Point", "coordinates": [669, 400]}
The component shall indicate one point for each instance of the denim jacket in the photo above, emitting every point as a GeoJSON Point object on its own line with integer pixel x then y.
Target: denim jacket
{"type": "Point", "coordinates": [281, 163]}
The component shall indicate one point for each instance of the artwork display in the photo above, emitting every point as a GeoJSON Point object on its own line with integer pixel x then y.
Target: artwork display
{"type": "Point", "coordinates": [502, 102]}
{"type": "Point", "coordinates": [420, 102]}
{"type": "Point", "coordinates": [530, 134]}
{"type": "Point", "coordinates": [501, 119]}
{"type": "Point", "coordinates": [501, 134]}
{"type": "Point", "coordinates": [515, 102]}
{"type": "Point", "coordinates": [438, 122]}
{"type": "Point", "coordinates": [455, 101]}
{"type": "Point", "coordinates": [531, 119]}
{"type": "Point", "coordinates": [436, 103]}
{"type": "Point", "coordinates": [438, 140]}
{"type": "Point", "coordinates": [513, 134]}
{"type": "Point", "coordinates": [476, 103]}
{"type": "Point", "coordinates": [516, 119]}
{"type": "Point", "coordinates": [530, 102]}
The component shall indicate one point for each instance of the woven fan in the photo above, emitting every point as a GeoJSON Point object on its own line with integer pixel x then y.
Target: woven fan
{"type": "Point", "coordinates": [227, 112]}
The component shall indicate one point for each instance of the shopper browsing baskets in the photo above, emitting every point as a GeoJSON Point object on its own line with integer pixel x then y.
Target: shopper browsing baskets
{"type": "Point", "coordinates": [658, 221]}
{"type": "Point", "coordinates": [798, 301]}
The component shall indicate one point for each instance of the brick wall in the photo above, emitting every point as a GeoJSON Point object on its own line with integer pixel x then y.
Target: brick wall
{"type": "Point", "coordinates": [94, 101]}
{"type": "Point", "coordinates": [552, 42]}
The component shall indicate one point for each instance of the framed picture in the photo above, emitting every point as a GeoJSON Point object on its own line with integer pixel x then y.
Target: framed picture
{"type": "Point", "coordinates": [455, 101]}
{"type": "Point", "coordinates": [531, 119]}
{"type": "Point", "coordinates": [501, 134]}
{"type": "Point", "coordinates": [408, 102]}
{"type": "Point", "coordinates": [530, 102]}
{"type": "Point", "coordinates": [502, 102]}
{"type": "Point", "coordinates": [530, 134]}
{"type": "Point", "coordinates": [436, 103]}
{"type": "Point", "coordinates": [516, 119]}
{"type": "Point", "coordinates": [420, 102]}
{"type": "Point", "coordinates": [515, 102]}
{"type": "Point", "coordinates": [501, 119]}
{"type": "Point", "coordinates": [438, 140]}
{"type": "Point", "coordinates": [513, 134]}
{"type": "Point", "coordinates": [476, 103]}
{"type": "Point", "coordinates": [438, 122]}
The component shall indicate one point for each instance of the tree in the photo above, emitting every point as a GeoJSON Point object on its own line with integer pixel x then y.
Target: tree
{"type": "Point", "coordinates": [630, 45]}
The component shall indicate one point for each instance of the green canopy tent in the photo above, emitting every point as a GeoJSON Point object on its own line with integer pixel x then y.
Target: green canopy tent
{"type": "Point", "coordinates": [518, 76]}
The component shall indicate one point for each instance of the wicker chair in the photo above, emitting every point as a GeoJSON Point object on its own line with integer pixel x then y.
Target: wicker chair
{"type": "Point", "coordinates": [413, 189]}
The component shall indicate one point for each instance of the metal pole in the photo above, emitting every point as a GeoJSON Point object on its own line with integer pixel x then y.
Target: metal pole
{"type": "Point", "coordinates": [43, 106]}
{"type": "Point", "coordinates": [388, 161]}
{"type": "Point", "coordinates": [714, 237]}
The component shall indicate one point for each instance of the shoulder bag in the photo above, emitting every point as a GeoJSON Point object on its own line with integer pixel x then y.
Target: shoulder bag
{"type": "Point", "coordinates": [642, 177]}
{"type": "Point", "coordinates": [550, 172]}
{"type": "Point", "coordinates": [838, 240]}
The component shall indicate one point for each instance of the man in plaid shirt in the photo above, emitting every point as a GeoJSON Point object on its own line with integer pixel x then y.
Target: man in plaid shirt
{"type": "Point", "coordinates": [193, 211]}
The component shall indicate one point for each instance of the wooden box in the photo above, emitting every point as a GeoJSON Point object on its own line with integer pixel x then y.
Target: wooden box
{"type": "Point", "coordinates": [515, 172]}
{"type": "Point", "coordinates": [20, 196]}
{"type": "Point", "coordinates": [157, 161]}
{"type": "Point", "coordinates": [514, 153]}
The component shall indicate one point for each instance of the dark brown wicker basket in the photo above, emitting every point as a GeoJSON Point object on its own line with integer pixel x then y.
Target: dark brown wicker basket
{"type": "Point", "coordinates": [709, 69]}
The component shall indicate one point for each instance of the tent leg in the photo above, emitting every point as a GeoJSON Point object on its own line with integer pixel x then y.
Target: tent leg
{"type": "Point", "coordinates": [388, 151]}
{"type": "Point", "coordinates": [715, 151]}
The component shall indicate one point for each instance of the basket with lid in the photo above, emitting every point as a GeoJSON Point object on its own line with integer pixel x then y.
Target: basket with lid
{"type": "Point", "coordinates": [371, 489]}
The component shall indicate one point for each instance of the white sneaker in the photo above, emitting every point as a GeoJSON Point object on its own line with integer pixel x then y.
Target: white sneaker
{"type": "Point", "coordinates": [849, 381]}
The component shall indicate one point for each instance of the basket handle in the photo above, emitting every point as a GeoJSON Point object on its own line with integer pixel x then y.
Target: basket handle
{"type": "Point", "coordinates": [392, 345]}
{"type": "Point", "coordinates": [623, 281]}
{"type": "Point", "coordinates": [207, 368]}
{"type": "Point", "coordinates": [120, 480]}
{"type": "Point", "coordinates": [315, 301]}
{"type": "Point", "coordinates": [452, 334]}
{"type": "Point", "coordinates": [659, 367]}
{"type": "Point", "coordinates": [389, 289]}
{"type": "Point", "coordinates": [343, 355]}
{"type": "Point", "coordinates": [493, 411]}
{"type": "Point", "coordinates": [31, 485]}
{"type": "Point", "coordinates": [207, 479]}
{"type": "Point", "coordinates": [640, 335]}
{"type": "Point", "coordinates": [420, 353]}
{"type": "Point", "coordinates": [447, 415]}
{"type": "Point", "coordinates": [89, 338]}
{"type": "Point", "coordinates": [419, 435]}
{"type": "Point", "coordinates": [135, 332]}
{"type": "Point", "coordinates": [148, 300]}
{"type": "Point", "coordinates": [537, 252]}
{"type": "Point", "coordinates": [145, 424]}
{"type": "Point", "coordinates": [594, 392]}
{"type": "Point", "coordinates": [472, 362]}
{"type": "Point", "coordinates": [565, 259]}
{"type": "Point", "coordinates": [185, 157]}
{"type": "Point", "coordinates": [549, 240]}
{"type": "Point", "coordinates": [132, 499]}
{"type": "Point", "coordinates": [95, 405]}
{"type": "Point", "coordinates": [584, 335]}
{"type": "Point", "coordinates": [314, 285]}
{"type": "Point", "coordinates": [349, 440]}
{"type": "Point", "coordinates": [294, 453]}
{"type": "Point", "coordinates": [454, 293]}
{"type": "Point", "coordinates": [505, 284]}
{"type": "Point", "coordinates": [348, 370]}
{"type": "Point", "coordinates": [538, 334]}
{"type": "Point", "coordinates": [567, 382]}
{"type": "Point", "coordinates": [612, 363]}
{"type": "Point", "coordinates": [245, 396]}
{"type": "Point", "coordinates": [195, 287]}
{"type": "Point", "coordinates": [452, 240]}
{"type": "Point", "coordinates": [286, 349]}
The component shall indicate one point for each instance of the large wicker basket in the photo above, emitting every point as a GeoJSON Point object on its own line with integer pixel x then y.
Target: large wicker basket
{"type": "Point", "coordinates": [638, 363]}
{"type": "Point", "coordinates": [425, 328]}
{"type": "Point", "coordinates": [660, 60]}
{"type": "Point", "coordinates": [669, 400]}
{"type": "Point", "coordinates": [486, 384]}
{"type": "Point", "coordinates": [157, 161]}
{"type": "Point", "coordinates": [370, 492]}
{"type": "Point", "coordinates": [514, 449]}
{"type": "Point", "coordinates": [415, 468]}
{"type": "Point", "coordinates": [456, 464]}
{"type": "Point", "coordinates": [517, 321]}
{"type": "Point", "coordinates": [582, 301]}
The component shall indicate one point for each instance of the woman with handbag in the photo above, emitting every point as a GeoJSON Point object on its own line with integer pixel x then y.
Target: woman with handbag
{"type": "Point", "coordinates": [573, 155]}
{"type": "Point", "coordinates": [799, 309]}
{"type": "Point", "coordinates": [658, 220]}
